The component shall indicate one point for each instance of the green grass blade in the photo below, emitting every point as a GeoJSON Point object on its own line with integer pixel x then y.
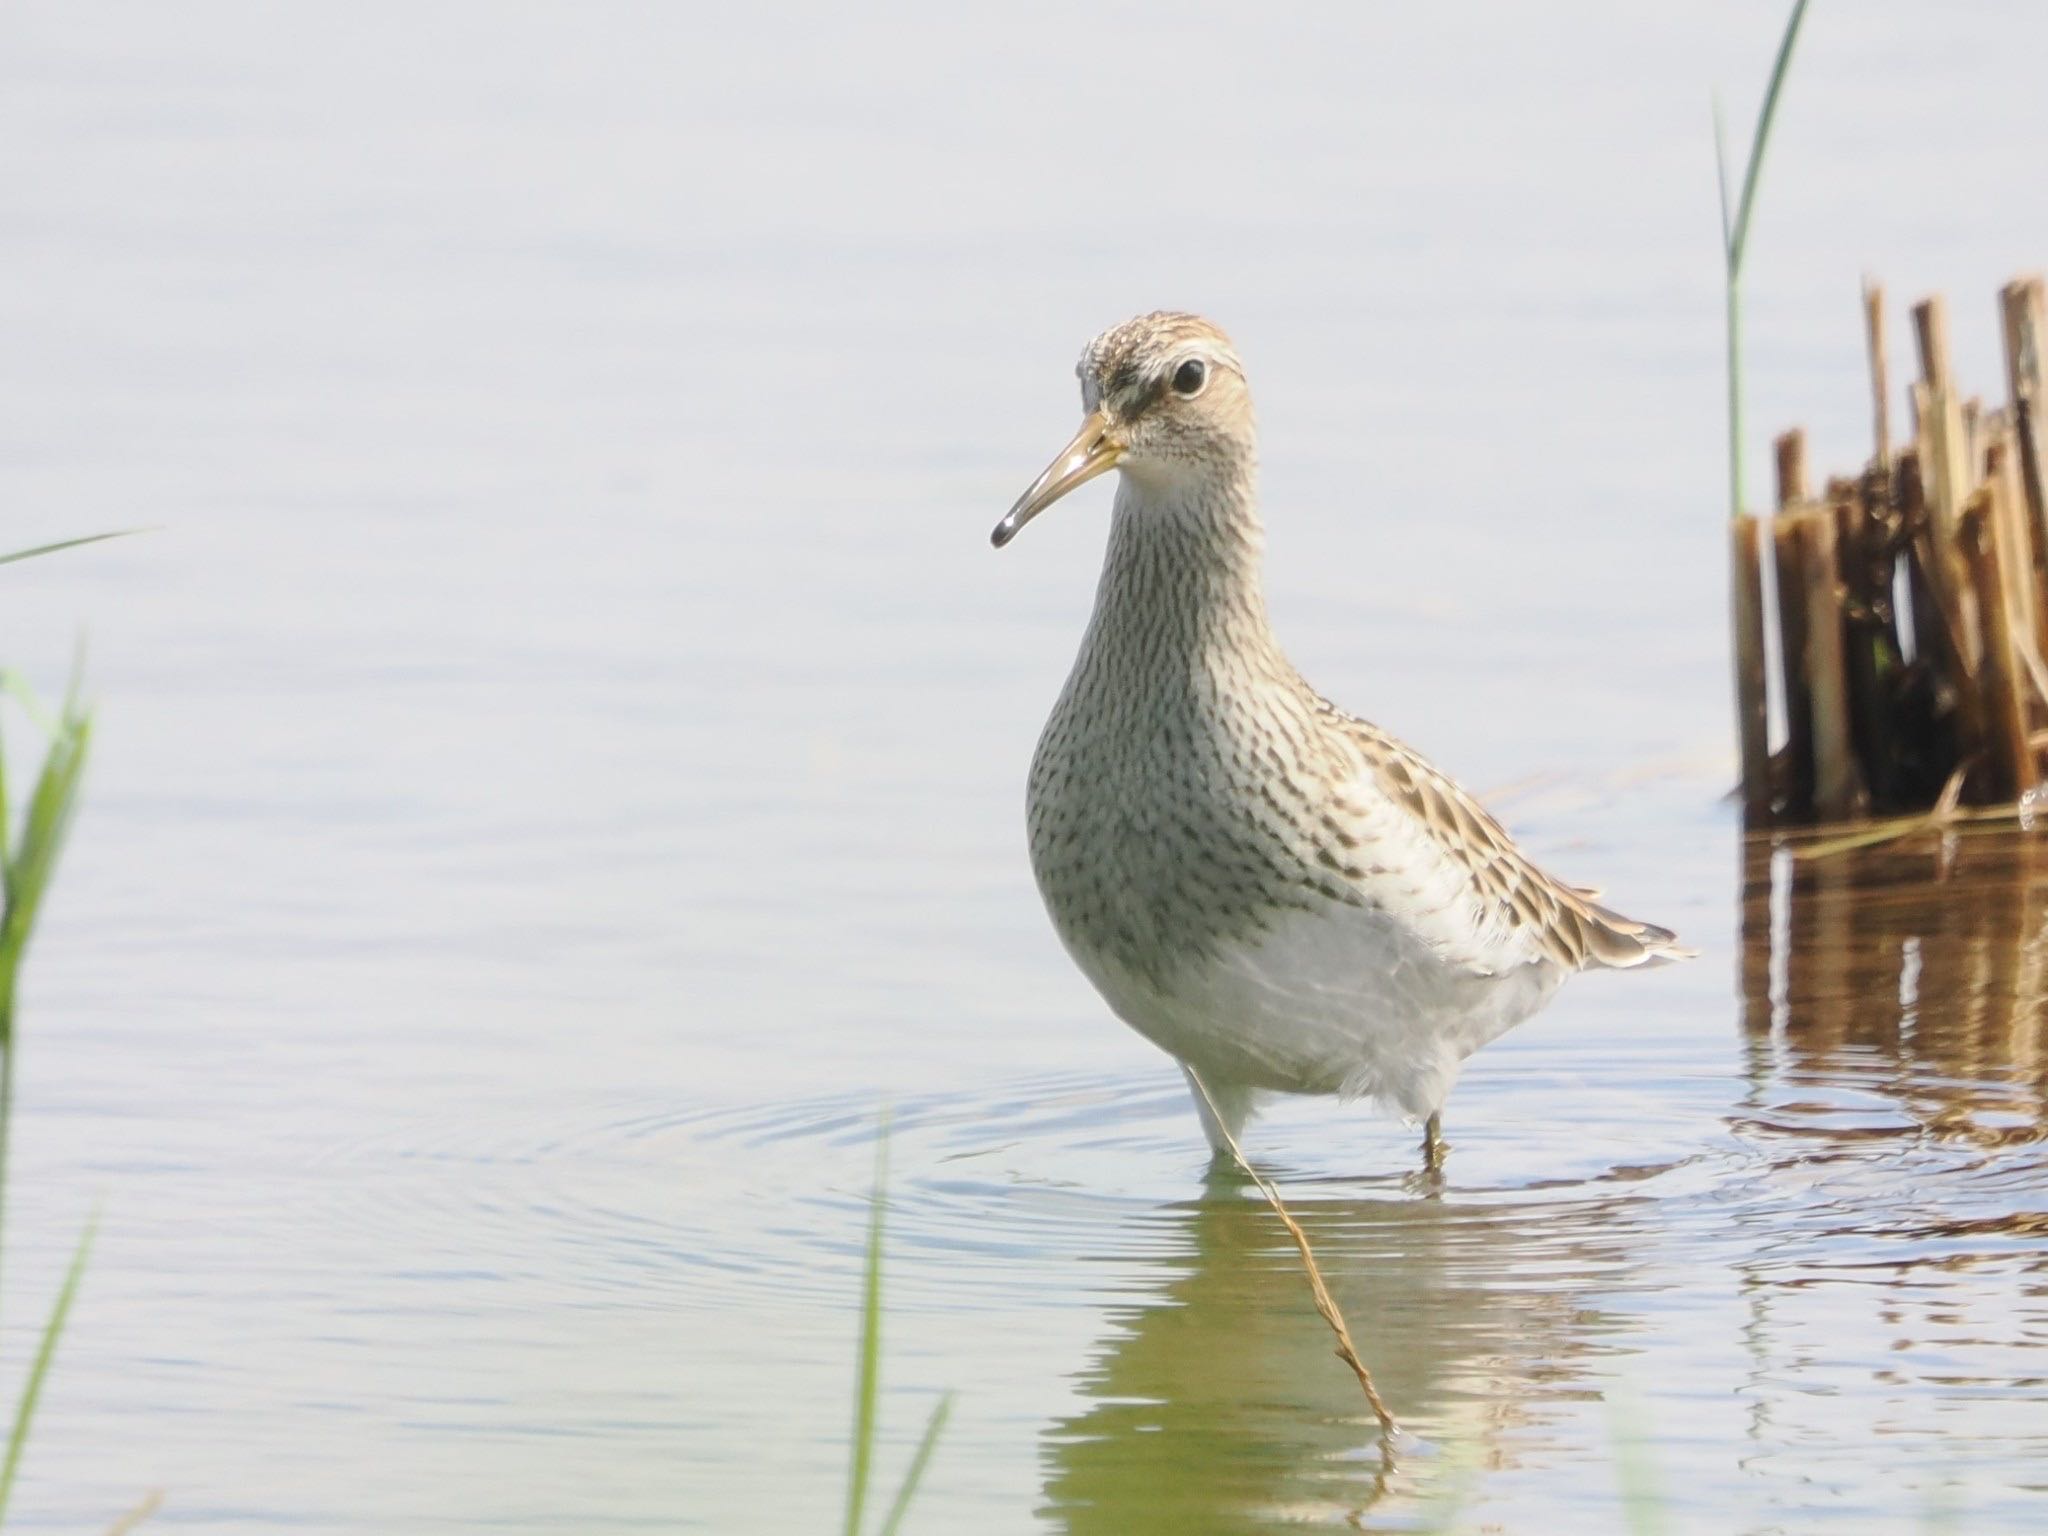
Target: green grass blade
{"type": "Point", "coordinates": [867, 1386]}
{"type": "Point", "coordinates": [1738, 497]}
{"type": "Point", "coordinates": [1721, 179]}
{"type": "Point", "coordinates": [1764, 118]}
{"type": "Point", "coordinates": [61, 544]}
{"type": "Point", "coordinates": [1735, 241]}
{"type": "Point", "coordinates": [29, 870]}
{"type": "Point", "coordinates": [46, 1351]}
{"type": "Point", "coordinates": [941, 1411]}
{"type": "Point", "coordinates": [6, 836]}
{"type": "Point", "coordinates": [16, 687]}
{"type": "Point", "coordinates": [43, 827]}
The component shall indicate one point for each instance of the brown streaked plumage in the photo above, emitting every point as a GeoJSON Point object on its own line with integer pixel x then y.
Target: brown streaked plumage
{"type": "Point", "coordinates": [1281, 895]}
{"type": "Point", "coordinates": [1567, 920]}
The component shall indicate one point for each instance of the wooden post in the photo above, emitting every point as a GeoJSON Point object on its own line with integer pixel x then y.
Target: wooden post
{"type": "Point", "coordinates": [1751, 717]}
{"type": "Point", "coordinates": [2012, 758]}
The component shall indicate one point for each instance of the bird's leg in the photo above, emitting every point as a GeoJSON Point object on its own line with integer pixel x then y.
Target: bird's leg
{"type": "Point", "coordinates": [1232, 1102]}
{"type": "Point", "coordinates": [1433, 1144]}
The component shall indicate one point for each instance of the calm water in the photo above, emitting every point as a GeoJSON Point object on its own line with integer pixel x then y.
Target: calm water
{"type": "Point", "coordinates": [561, 768]}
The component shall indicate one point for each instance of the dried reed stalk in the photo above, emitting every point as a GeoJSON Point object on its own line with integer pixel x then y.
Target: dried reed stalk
{"type": "Point", "coordinates": [1325, 1303]}
{"type": "Point", "coordinates": [151, 1503]}
{"type": "Point", "coordinates": [1942, 815]}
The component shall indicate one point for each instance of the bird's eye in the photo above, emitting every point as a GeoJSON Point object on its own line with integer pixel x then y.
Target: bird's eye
{"type": "Point", "coordinates": [1189, 377]}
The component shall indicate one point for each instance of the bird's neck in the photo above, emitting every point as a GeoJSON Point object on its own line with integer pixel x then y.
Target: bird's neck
{"type": "Point", "coordinates": [1183, 573]}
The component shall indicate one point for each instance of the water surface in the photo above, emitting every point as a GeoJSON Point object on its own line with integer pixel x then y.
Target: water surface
{"type": "Point", "coordinates": [561, 763]}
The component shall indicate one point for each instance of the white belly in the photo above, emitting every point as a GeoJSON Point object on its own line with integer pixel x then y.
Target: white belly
{"type": "Point", "coordinates": [1341, 1000]}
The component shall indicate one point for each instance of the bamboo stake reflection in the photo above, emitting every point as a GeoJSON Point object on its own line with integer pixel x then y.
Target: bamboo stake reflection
{"type": "Point", "coordinates": [1886, 1228]}
{"type": "Point", "coordinates": [1917, 968]}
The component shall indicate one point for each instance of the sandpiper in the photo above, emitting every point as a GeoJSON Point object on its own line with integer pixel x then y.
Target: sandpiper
{"type": "Point", "coordinates": [1282, 896]}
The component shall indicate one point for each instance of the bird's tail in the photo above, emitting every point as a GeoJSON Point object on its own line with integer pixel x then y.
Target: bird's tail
{"type": "Point", "coordinates": [1615, 942]}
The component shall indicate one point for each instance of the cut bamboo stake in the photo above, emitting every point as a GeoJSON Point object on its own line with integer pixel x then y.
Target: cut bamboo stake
{"type": "Point", "coordinates": [2018, 559]}
{"type": "Point", "coordinates": [1838, 791]}
{"type": "Point", "coordinates": [1944, 473]}
{"type": "Point", "coordinates": [1937, 631]}
{"type": "Point", "coordinates": [1930, 335]}
{"type": "Point", "coordinates": [1751, 706]}
{"type": "Point", "coordinates": [2025, 327]}
{"type": "Point", "coordinates": [1791, 457]}
{"type": "Point", "coordinates": [1789, 564]}
{"type": "Point", "coordinates": [2012, 759]}
{"type": "Point", "coordinates": [1870, 655]}
{"type": "Point", "coordinates": [1911, 504]}
{"type": "Point", "coordinates": [1325, 1303]}
{"type": "Point", "coordinates": [2025, 302]}
{"type": "Point", "coordinates": [1942, 487]}
{"type": "Point", "coordinates": [1880, 387]}
{"type": "Point", "coordinates": [1911, 603]}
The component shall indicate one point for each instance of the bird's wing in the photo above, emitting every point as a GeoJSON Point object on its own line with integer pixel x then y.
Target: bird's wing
{"type": "Point", "coordinates": [1410, 837]}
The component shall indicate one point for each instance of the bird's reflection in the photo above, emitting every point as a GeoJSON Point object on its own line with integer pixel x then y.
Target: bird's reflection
{"type": "Point", "coordinates": [1216, 1402]}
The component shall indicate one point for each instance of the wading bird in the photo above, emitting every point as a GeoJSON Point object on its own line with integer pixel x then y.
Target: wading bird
{"type": "Point", "coordinates": [1280, 895]}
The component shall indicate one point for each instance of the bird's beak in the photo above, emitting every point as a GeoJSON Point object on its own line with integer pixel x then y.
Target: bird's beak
{"type": "Point", "coordinates": [1090, 453]}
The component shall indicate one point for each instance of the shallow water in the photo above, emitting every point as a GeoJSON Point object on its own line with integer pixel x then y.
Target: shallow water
{"type": "Point", "coordinates": [561, 758]}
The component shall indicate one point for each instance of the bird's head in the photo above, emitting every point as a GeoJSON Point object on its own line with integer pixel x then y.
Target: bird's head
{"type": "Point", "coordinates": [1166, 404]}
